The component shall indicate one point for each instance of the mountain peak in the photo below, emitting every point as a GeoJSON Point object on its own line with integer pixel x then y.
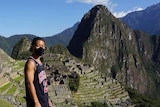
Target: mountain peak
{"type": "Point", "coordinates": [93, 21]}
{"type": "Point", "coordinates": [98, 9]}
{"type": "Point", "coordinates": [105, 42]}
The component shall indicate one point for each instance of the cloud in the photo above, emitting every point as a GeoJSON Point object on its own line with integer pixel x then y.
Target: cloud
{"type": "Point", "coordinates": [123, 13]}
{"type": "Point", "coordinates": [137, 8]}
{"type": "Point", "coordinates": [111, 6]}
{"type": "Point", "coordinates": [120, 14]}
{"type": "Point", "coordinates": [107, 3]}
{"type": "Point", "coordinates": [69, 1]}
{"type": "Point", "coordinates": [94, 2]}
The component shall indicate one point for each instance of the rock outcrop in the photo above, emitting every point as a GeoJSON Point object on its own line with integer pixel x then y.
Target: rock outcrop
{"type": "Point", "coordinates": [21, 49]}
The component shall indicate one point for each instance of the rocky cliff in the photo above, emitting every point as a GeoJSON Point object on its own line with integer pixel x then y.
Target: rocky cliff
{"type": "Point", "coordinates": [21, 49]}
{"type": "Point", "coordinates": [113, 48]}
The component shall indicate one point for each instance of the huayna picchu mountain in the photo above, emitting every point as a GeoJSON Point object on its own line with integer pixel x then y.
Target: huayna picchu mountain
{"type": "Point", "coordinates": [120, 52]}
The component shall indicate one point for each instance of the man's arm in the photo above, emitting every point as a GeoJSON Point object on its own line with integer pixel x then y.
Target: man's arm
{"type": "Point", "coordinates": [50, 102]}
{"type": "Point", "coordinates": [29, 70]}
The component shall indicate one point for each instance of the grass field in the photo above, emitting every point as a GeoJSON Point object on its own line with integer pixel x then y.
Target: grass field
{"type": "Point", "coordinates": [5, 104]}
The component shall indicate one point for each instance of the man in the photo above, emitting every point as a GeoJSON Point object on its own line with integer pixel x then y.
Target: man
{"type": "Point", "coordinates": [35, 77]}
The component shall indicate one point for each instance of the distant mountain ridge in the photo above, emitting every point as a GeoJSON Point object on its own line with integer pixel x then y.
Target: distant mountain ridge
{"type": "Point", "coordinates": [147, 20]}
{"type": "Point", "coordinates": [64, 37]}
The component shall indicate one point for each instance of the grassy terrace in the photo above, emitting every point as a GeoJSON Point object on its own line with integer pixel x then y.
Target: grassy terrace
{"type": "Point", "coordinates": [91, 89]}
{"type": "Point", "coordinates": [5, 104]}
{"type": "Point", "coordinates": [14, 87]}
{"type": "Point", "coordinates": [11, 90]}
{"type": "Point", "coordinates": [18, 65]}
{"type": "Point", "coordinates": [5, 87]}
{"type": "Point", "coordinates": [19, 78]}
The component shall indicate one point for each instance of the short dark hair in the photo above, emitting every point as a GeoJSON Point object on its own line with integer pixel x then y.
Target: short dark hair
{"type": "Point", "coordinates": [34, 42]}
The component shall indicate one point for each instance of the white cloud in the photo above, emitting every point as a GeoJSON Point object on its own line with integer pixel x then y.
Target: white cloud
{"type": "Point", "coordinates": [120, 14]}
{"type": "Point", "coordinates": [109, 5]}
{"type": "Point", "coordinates": [94, 2]}
{"type": "Point", "coordinates": [123, 13]}
{"type": "Point", "coordinates": [69, 1]}
{"type": "Point", "coordinates": [137, 9]}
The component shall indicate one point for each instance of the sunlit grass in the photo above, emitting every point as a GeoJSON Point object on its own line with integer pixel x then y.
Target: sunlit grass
{"type": "Point", "coordinates": [20, 63]}
{"type": "Point", "coordinates": [12, 90]}
{"type": "Point", "coordinates": [19, 79]}
{"type": "Point", "coordinates": [5, 87]}
{"type": "Point", "coordinates": [5, 104]}
{"type": "Point", "coordinates": [21, 99]}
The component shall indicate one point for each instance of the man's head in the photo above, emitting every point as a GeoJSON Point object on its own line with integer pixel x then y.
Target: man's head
{"type": "Point", "coordinates": [38, 46]}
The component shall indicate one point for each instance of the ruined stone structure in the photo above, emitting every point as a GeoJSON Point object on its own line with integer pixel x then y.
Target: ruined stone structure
{"type": "Point", "coordinates": [93, 87]}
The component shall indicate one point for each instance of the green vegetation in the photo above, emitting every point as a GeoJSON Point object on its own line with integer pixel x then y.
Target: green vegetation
{"type": "Point", "coordinates": [5, 104]}
{"type": "Point", "coordinates": [24, 55]}
{"type": "Point", "coordinates": [21, 49]}
{"type": "Point", "coordinates": [98, 104]}
{"type": "Point", "coordinates": [21, 99]}
{"type": "Point", "coordinates": [59, 49]}
{"type": "Point", "coordinates": [4, 44]}
{"type": "Point", "coordinates": [12, 90]}
{"type": "Point", "coordinates": [5, 87]}
{"type": "Point", "coordinates": [142, 100]}
{"type": "Point", "coordinates": [19, 79]}
{"type": "Point", "coordinates": [94, 104]}
{"type": "Point", "coordinates": [114, 69]}
{"type": "Point", "coordinates": [74, 82]}
{"type": "Point", "coordinates": [15, 85]}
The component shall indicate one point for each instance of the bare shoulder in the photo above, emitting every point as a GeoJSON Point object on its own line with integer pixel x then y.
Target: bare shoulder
{"type": "Point", "coordinates": [30, 65]}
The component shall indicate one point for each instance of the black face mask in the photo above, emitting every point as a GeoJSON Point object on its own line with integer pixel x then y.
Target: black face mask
{"type": "Point", "coordinates": [39, 51]}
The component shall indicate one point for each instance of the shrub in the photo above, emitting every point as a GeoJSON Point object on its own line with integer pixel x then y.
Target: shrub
{"type": "Point", "coordinates": [74, 82]}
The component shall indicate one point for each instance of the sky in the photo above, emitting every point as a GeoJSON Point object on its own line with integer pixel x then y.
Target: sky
{"type": "Point", "coordinates": [45, 18]}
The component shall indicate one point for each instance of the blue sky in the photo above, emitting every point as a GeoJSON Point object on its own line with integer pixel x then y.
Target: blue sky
{"type": "Point", "coordinates": [49, 17]}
